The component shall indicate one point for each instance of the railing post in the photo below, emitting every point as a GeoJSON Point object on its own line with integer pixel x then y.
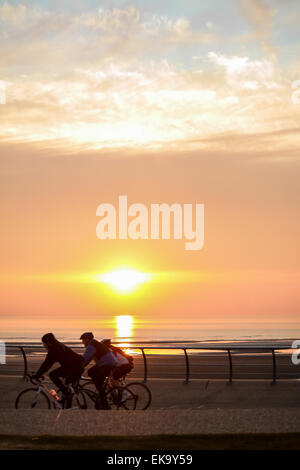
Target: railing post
{"type": "Point", "coordinates": [187, 374]}
{"type": "Point", "coordinates": [145, 366]}
{"type": "Point", "coordinates": [274, 367]}
{"type": "Point", "coordinates": [230, 367]}
{"type": "Point", "coordinates": [25, 361]}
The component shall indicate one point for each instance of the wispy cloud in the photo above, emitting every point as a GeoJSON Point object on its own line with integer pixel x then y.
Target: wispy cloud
{"type": "Point", "coordinates": [67, 40]}
{"type": "Point", "coordinates": [259, 15]}
{"type": "Point", "coordinates": [241, 72]}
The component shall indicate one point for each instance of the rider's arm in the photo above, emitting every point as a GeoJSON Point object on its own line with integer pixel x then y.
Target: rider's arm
{"type": "Point", "coordinates": [89, 353]}
{"type": "Point", "coordinates": [45, 366]}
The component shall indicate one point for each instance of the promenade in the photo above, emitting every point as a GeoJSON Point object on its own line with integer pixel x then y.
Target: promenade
{"type": "Point", "coordinates": [206, 413]}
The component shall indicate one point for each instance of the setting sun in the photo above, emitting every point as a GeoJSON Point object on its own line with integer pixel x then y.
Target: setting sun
{"type": "Point", "coordinates": [124, 280]}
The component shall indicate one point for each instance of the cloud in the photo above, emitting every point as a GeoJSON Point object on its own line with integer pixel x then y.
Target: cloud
{"type": "Point", "coordinates": [13, 14]}
{"type": "Point", "coordinates": [260, 16]}
{"type": "Point", "coordinates": [106, 78]}
{"type": "Point", "coordinates": [130, 23]}
{"type": "Point", "coordinates": [244, 73]}
{"type": "Point", "coordinates": [64, 40]}
{"type": "Point", "coordinates": [152, 104]}
{"type": "Point", "coordinates": [112, 105]}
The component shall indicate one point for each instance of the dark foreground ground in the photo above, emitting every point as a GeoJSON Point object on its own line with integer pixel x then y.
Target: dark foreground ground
{"type": "Point", "coordinates": [183, 442]}
{"type": "Point", "coordinates": [188, 429]}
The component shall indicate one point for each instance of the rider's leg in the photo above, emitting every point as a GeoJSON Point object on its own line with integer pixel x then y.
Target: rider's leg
{"type": "Point", "coordinates": [119, 373]}
{"type": "Point", "coordinates": [98, 375]}
{"type": "Point", "coordinates": [114, 378]}
{"type": "Point", "coordinates": [55, 377]}
{"type": "Point", "coordinates": [74, 376]}
{"type": "Point", "coordinates": [118, 379]}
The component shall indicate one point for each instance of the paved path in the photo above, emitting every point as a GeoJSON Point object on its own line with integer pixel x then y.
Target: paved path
{"type": "Point", "coordinates": [151, 422]}
{"type": "Point", "coordinates": [199, 394]}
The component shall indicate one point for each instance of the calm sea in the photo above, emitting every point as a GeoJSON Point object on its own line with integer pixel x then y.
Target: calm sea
{"type": "Point", "coordinates": [172, 334]}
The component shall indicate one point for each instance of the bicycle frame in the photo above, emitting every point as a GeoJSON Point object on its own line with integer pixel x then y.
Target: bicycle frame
{"type": "Point", "coordinates": [43, 388]}
{"type": "Point", "coordinates": [107, 382]}
{"type": "Point", "coordinates": [51, 397]}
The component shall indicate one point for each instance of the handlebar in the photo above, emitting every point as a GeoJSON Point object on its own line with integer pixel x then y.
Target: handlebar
{"type": "Point", "coordinates": [34, 381]}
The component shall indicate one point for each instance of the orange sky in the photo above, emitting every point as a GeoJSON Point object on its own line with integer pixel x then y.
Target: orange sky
{"type": "Point", "coordinates": [155, 120]}
{"type": "Point", "coordinates": [249, 261]}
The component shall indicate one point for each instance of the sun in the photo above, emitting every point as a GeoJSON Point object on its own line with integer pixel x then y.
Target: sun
{"type": "Point", "coordinates": [124, 280]}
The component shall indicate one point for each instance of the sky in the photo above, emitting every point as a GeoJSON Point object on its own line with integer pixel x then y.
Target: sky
{"type": "Point", "coordinates": [165, 102]}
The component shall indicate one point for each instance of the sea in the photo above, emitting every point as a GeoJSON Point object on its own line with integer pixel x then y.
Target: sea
{"type": "Point", "coordinates": [201, 333]}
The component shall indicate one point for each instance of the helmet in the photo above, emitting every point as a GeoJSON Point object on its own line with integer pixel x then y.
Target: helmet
{"type": "Point", "coordinates": [106, 341]}
{"type": "Point", "coordinates": [48, 338]}
{"type": "Point", "coordinates": [88, 335]}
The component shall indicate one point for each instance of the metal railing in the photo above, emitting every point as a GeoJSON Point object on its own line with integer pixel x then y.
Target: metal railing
{"type": "Point", "coordinates": [136, 345]}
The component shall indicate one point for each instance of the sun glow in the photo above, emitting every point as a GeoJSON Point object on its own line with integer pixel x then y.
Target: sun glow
{"type": "Point", "coordinates": [124, 280]}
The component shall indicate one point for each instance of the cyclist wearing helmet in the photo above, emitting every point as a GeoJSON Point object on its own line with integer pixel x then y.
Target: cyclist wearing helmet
{"type": "Point", "coordinates": [71, 363]}
{"type": "Point", "coordinates": [104, 359]}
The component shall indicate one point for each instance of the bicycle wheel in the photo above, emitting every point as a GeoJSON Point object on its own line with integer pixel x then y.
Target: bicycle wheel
{"type": "Point", "coordinates": [78, 400]}
{"type": "Point", "coordinates": [90, 397]}
{"type": "Point", "coordinates": [139, 398]}
{"type": "Point", "coordinates": [113, 399]}
{"type": "Point", "coordinates": [31, 398]}
{"type": "Point", "coordinates": [88, 385]}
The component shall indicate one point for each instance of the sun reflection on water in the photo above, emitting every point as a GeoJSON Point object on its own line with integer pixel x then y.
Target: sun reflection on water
{"type": "Point", "coordinates": [124, 326]}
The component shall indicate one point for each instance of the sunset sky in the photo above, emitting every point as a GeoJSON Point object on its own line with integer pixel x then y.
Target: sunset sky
{"type": "Point", "coordinates": [165, 102]}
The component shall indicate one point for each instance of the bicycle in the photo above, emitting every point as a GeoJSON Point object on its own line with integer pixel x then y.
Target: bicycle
{"type": "Point", "coordinates": [131, 396]}
{"type": "Point", "coordinates": [109, 399]}
{"type": "Point", "coordinates": [134, 396]}
{"type": "Point", "coordinates": [42, 397]}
